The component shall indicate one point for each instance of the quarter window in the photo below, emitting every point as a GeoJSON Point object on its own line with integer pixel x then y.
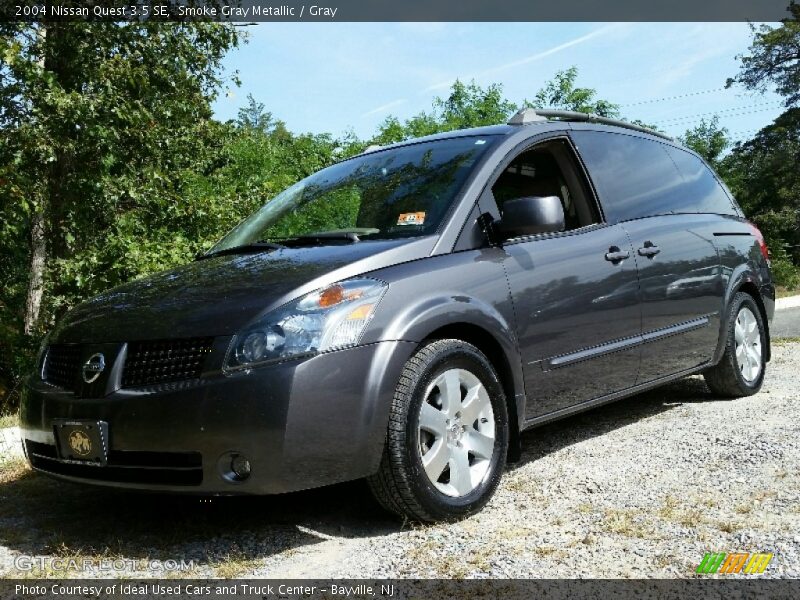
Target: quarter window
{"type": "Point", "coordinates": [704, 193]}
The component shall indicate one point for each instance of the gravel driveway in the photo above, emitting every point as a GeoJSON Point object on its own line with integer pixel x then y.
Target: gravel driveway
{"type": "Point", "coordinates": [641, 488]}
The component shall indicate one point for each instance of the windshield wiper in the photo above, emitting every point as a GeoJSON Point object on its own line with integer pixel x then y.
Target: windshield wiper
{"type": "Point", "coordinates": [322, 238]}
{"type": "Point", "coordinates": [254, 247]}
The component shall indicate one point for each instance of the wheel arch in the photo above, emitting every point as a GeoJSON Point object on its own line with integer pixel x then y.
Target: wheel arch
{"type": "Point", "coordinates": [486, 342]}
{"type": "Point", "coordinates": [746, 282]}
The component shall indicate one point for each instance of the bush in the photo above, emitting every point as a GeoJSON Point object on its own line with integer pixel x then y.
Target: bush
{"type": "Point", "coordinates": [19, 354]}
{"type": "Point", "coordinates": [784, 272]}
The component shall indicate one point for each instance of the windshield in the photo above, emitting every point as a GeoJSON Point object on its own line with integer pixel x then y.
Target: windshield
{"type": "Point", "coordinates": [401, 192]}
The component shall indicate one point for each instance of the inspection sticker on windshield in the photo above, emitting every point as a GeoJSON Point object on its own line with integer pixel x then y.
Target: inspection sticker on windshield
{"type": "Point", "coordinates": [415, 218]}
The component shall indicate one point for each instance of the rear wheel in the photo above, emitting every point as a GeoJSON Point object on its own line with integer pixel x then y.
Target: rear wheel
{"type": "Point", "coordinates": [448, 435]}
{"type": "Point", "coordinates": [740, 371]}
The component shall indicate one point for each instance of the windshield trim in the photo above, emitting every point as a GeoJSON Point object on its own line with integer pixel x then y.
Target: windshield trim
{"type": "Point", "coordinates": [414, 142]}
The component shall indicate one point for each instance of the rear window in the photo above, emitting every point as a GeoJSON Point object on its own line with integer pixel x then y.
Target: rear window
{"type": "Point", "coordinates": [636, 177]}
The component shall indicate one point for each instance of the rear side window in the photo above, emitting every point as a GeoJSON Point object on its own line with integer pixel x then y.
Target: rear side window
{"type": "Point", "coordinates": [704, 194]}
{"type": "Point", "coordinates": [635, 177]}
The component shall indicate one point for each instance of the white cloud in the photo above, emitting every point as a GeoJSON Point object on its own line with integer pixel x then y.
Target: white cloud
{"type": "Point", "coordinates": [384, 107]}
{"type": "Point", "coordinates": [528, 59]}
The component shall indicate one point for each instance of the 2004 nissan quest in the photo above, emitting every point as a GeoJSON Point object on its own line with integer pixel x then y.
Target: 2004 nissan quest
{"type": "Point", "coordinates": [403, 315]}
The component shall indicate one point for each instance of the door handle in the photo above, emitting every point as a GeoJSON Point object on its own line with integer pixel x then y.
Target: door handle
{"type": "Point", "coordinates": [649, 250]}
{"type": "Point", "coordinates": [616, 255]}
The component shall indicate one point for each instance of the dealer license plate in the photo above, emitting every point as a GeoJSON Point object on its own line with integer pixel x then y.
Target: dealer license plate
{"type": "Point", "coordinates": [84, 441]}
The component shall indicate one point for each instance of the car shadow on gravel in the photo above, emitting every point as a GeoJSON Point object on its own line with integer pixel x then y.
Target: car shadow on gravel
{"type": "Point", "coordinates": [552, 437]}
{"type": "Point", "coordinates": [43, 516]}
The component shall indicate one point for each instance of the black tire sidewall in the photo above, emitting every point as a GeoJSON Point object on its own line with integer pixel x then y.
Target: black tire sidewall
{"type": "Point", "coordinates": [461, 356]}
{"type": "Point", "coordinates": [745, 300]}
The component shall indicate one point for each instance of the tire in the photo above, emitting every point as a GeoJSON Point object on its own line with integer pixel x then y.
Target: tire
{"type": "Point", "coordinates": [403, 485]}
{"type": "Point", "coordinates": [742, 374]}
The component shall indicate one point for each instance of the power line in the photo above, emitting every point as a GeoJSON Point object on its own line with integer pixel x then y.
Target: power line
{"type": "Point", "coordinates": [692, 120]}
{"type": "Point", "coordinates": [678, 97]}
{"type": "Point", "coordinates": [740, 133]}
{"type": "Point", "coordinates": [722, 111]}
{"type": "Point", "coordinates": [688, 122]}
{"type": "Point", "coordinates": [742, 136]}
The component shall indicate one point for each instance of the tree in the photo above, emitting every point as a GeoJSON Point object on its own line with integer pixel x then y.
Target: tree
{"type": "Point", "coordinates": [97, 123]}
{"type": "Point", "coordinates": [774, 59]}
{"type": "Point", "coordinates": [762, 173]}
{"type": "Point", "coordinates": [468, 105]}
{"type": "Point", "coordinates": [561, 93]}
{"type": "Point", "coordinates": [708, 139]}
{"type": "Point", "coordinates": [473, 106]}
{"type": "Point", "coordinates": [101, 124]}
{"type": "Point", "coordinates": [254, 116]}
{"type": "Point", "coordinates": [249, 170]}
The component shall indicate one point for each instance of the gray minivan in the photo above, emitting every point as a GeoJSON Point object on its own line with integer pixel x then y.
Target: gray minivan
{"type": "Point", "coordinates": [403, 315]}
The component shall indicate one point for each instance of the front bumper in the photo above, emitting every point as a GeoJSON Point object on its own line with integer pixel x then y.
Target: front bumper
{"type": "Point", "coordinates": [301, 424]}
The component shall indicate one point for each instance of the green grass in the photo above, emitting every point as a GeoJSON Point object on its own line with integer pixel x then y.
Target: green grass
{"type": "Point", "coordinates": [235, 565]}
{"type": "Point", "coordinates": [783, 341]}
{"type": "Point", "coordinates": [782, 292]}
{"type": "Point", "coordinates": [8, 421]}
{"type": "Point", "coordinates": [12, 469]}
{"type": "Point", "coordinates": [625, 522]}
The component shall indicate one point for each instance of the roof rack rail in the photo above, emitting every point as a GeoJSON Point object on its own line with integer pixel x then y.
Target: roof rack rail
{"type": "Point", "coordinates": [536, 115]}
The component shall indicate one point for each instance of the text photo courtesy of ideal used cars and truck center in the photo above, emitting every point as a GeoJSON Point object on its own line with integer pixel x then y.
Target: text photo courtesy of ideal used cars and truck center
{"type": "Point", "coordinates": [375, 299]}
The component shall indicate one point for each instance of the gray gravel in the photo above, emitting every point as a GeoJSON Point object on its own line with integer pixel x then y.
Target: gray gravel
{"type": "Point", "coordinates": [10, 444]}
{"type": "Point", "coordinates": [641, 488]}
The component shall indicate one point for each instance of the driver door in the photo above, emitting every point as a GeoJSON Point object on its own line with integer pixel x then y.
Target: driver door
{"type": "Point", "coordinates": [575, 293]}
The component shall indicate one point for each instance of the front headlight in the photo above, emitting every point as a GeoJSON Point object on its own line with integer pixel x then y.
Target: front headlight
{"type": "Point", "coordinates": [328, 319]}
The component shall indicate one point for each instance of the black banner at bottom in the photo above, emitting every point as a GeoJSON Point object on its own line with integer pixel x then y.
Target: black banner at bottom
{"type": "Point", "coordinates": [269, 589]}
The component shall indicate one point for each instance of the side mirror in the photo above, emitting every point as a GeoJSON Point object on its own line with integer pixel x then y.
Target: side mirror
{"type": "Point", "coordinates": [531, 215]}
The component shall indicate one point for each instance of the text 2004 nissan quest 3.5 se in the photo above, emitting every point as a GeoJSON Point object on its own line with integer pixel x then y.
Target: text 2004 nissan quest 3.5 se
{"type": "Point", "coordinates": [403, 315]}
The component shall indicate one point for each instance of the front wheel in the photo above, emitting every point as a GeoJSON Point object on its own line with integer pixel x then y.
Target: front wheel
{"type": "Point", "coordinates": [448, 435]}
{"type": "Point", "coordinates": [740, 371]}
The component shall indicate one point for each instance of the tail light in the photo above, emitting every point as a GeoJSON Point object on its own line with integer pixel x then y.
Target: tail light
{"type": "Point", "coordinates": [761, 243]}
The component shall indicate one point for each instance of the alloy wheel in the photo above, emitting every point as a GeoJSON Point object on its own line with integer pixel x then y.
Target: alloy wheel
{"type": "Point", "coordinates": [748, 344]}
{"type": "Point", "coordinates": [456, 432]}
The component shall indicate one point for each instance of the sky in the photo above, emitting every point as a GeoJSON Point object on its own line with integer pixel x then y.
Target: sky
{"type": "Point", "coordinates": [339, 77]}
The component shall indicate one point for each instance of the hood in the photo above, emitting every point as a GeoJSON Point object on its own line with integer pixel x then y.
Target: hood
{"type": "Point", "coordinates": [220, 295]}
